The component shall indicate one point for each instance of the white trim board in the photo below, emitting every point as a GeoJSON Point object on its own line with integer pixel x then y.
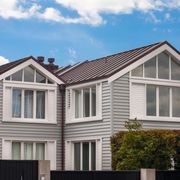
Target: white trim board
{"type": "Point", "coordinates": [157, 51]}
{"type": "Point", "coordinates": [36, 65]}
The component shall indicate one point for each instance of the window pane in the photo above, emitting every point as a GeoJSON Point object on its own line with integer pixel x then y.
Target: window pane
{"type": "Point", "coordinates": [85, 156]}
{"type": "Point", "coordinates": [50, 82]}
{"type": "Point", "coordinates": [163, 101]}
{"type": "Point", "coordinates": [175, 70]}
{"type": "Point", "coordinates": [28, 104]}
{"type": "Point", "coordinates": [77, 103]}
{"type": "Point", "coordinates": [93, 156]}
{"type": "Point", "coordinates": [40, 105]}
{"type": "Point", "coordinates": [176, 102]}
{"type": "Point", "coordinates": [28, 151]}
{"type": "Point", "coordinates": [16, 104]}
{"type": "Point", "coordinates": [138, 71]}
{"type": "Point", "coordinates": [40, 151]}
{"type": "Point", "coordinates": [77, 156]}
{"type": "Point", "coordinates": [17, 76]}
{"type": "Point", "coordinates": [40, 78]}
{"type": "Point", "coordinates": [151, 100]}
{"type": "Point", "coordinates": [7, 78]}
{"type": "Point", "coordinates": [93, 89]}
{"type": "Point", "coordinates": [150, 68]}
{"type": "Point", "coordinates": [86, 102]}
{"type": "Point", "coordinates": [16, 150]}
{"type": "Point", "coordinates": [163, 66]}
{"type": "Point", "coordinates": [28, 74]}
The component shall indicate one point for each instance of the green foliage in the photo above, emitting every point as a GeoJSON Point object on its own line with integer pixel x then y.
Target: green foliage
{"type": "Point", "coordinates": [143, 149]}
{"type": "Point", "coordinates": [177, 148]}
{"type": "Point", "coordinates": [133, 125]}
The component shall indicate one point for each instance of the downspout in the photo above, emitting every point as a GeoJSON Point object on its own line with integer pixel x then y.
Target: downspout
{"type": "Point", "coordinates": [62, 94]}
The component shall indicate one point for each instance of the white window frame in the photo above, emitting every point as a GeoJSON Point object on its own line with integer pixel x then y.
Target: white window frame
{"type": "Point", "coordinates": [156, 82]}
{"type": "Point", "coordinates": [69, 156]}
{"type": "Point", "coordinates": [70, 106]}
{"type": "Point", "coordinates": [34, 87]}
{"type": "Point", "coordinates": [50, 152]}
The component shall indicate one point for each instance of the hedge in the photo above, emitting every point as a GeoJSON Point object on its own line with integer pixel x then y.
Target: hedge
{"type": "Point", "coordinates": [137, 149]}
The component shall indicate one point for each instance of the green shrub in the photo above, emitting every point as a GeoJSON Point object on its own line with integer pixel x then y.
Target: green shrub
{"type": "Point", "coordinates": [143, 149]}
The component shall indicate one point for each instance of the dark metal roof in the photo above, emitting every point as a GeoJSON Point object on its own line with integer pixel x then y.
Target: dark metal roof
{"type": "Point", "coordinates": [8, 66]}
{"type": "Point", "coordinates": [107, 66]}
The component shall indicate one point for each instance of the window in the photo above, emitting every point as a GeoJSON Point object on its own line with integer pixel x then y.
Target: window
{"type": "Point", "coordinates": [163, 66]}
{"type": "Point", "coordinates": [151, 100]}
{"type": "Point", "coordinates": [26, 97]}
{"type": "Point", "coordinates": [159, 67]}
{"type": "Point", "coordinates": [160, 101]}
{"type": "Point", "coordinates": [150, 68]}
{"type": "Point", "coordinates": [85, 102]}
{"type": "Point", "coordinates": [85, 156]}
{"type": "Point", "coordinates": [31, 151]}
{"type": "Point", "coordinates": [138, 71]}
{"type": "Point", "coordinates": [175, 72]}
{"type": "Point", "coordinates": [29, 74]}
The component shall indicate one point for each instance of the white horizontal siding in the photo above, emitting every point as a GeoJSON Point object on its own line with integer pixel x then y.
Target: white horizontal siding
{"type": "Point", "coordinates": [32, 131]}
{"type": "Point", "coordinates": [95, 128]}
{"type": "Point", "coordinates": [120, 110]}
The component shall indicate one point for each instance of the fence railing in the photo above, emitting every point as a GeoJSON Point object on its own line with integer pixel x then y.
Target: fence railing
{"type": "Point", "coordinates": [167, 175]}
{"type": "Point", "coordinates": [95, 175]}
{"type": "Point", "coordinates": [18, 170]}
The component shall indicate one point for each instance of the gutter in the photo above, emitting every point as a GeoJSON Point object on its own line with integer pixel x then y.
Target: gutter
{"type": "Point", "coordinates": [62, 88]}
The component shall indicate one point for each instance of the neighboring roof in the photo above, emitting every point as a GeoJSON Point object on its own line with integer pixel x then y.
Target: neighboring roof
{"type": "Point", "coordinates": [8, 66]}
{"type": "Point", "coordinates": [107, 66]}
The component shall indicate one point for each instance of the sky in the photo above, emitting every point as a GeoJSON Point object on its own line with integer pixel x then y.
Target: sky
{"type": "Point", "coordinates": [76, 30]}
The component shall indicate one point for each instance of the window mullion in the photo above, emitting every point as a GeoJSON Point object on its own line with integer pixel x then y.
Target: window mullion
{"type": "Point", "coordinates": [170, 67]}
{"type": "Point", "coordinates": [81, 156]}
{"type": "Point", "coordinates": [23, 75]}
{"type": "Point", "coordinates": [157, 101]}
{"type": "Point", "coordinates": [22, 150]}
{"type": "Point", "coordinates": [34, 75]}
{"type": "Point", "coordinates": [90, 103]}
{"type": "Point", "coordinates": [22, 103]}
{"type": "Point", "coordinates": [34, 105]}
{"type": "Point", "coordinates": [34, 150]}
{"type": "Point", "coordinates": [170, 101]}
{"type": "Point", "coordinates": [82, 104]}
{"type": "Point", "coordinates": [90, 163]}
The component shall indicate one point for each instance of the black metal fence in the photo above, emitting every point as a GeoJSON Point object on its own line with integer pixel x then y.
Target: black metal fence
{"type": "Point", "coordinates": [95, 175]}
{"type": "Point", "coordinates": [18, 170]}
{"type": "Point", "coordinates": [167, 175]}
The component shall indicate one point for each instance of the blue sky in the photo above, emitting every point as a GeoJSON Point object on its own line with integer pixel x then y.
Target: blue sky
{"type": "Point", "coordinates": [76, 30]}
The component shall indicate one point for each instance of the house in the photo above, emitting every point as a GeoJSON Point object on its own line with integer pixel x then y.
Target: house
{"type": "Point", "coordinates": [30, 111]}
{"type": "Point", "coordinates": [67, 115]}
{"type": "Point", "coordinates": [142, 83]}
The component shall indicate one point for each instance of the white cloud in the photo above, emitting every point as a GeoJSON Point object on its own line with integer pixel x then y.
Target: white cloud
{"type": "Point", "coordinates": [88, 11]}
{"type": "Point", "coordinates": [72, 52]}
{"type": "Point", "coordinates": [167, 16]}
{"type": "Point", "coordinates": [3, 60]}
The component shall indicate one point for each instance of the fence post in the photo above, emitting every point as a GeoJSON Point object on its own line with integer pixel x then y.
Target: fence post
{"type": "Point", "coordinates": [148, 174]}
{"type": "Point", "coordinates": [43, 170]}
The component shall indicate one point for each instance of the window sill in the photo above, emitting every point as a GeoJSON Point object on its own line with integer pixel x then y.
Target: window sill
{"type": "Point", "coordinates": [43, 121]}
{"type": "Point", "coordinates": [161, 119]}
{"type": "Point", "coordinates": [85, 119]}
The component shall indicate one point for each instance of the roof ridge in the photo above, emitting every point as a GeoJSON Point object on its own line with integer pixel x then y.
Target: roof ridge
{"type": "Point", "coordinates": [126, 51]}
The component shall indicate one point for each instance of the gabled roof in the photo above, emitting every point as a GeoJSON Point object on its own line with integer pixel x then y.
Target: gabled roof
{"type": "Point", "coordinates": [8, 66]}
{"type": "Point", "coordinates": [107, 66]}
